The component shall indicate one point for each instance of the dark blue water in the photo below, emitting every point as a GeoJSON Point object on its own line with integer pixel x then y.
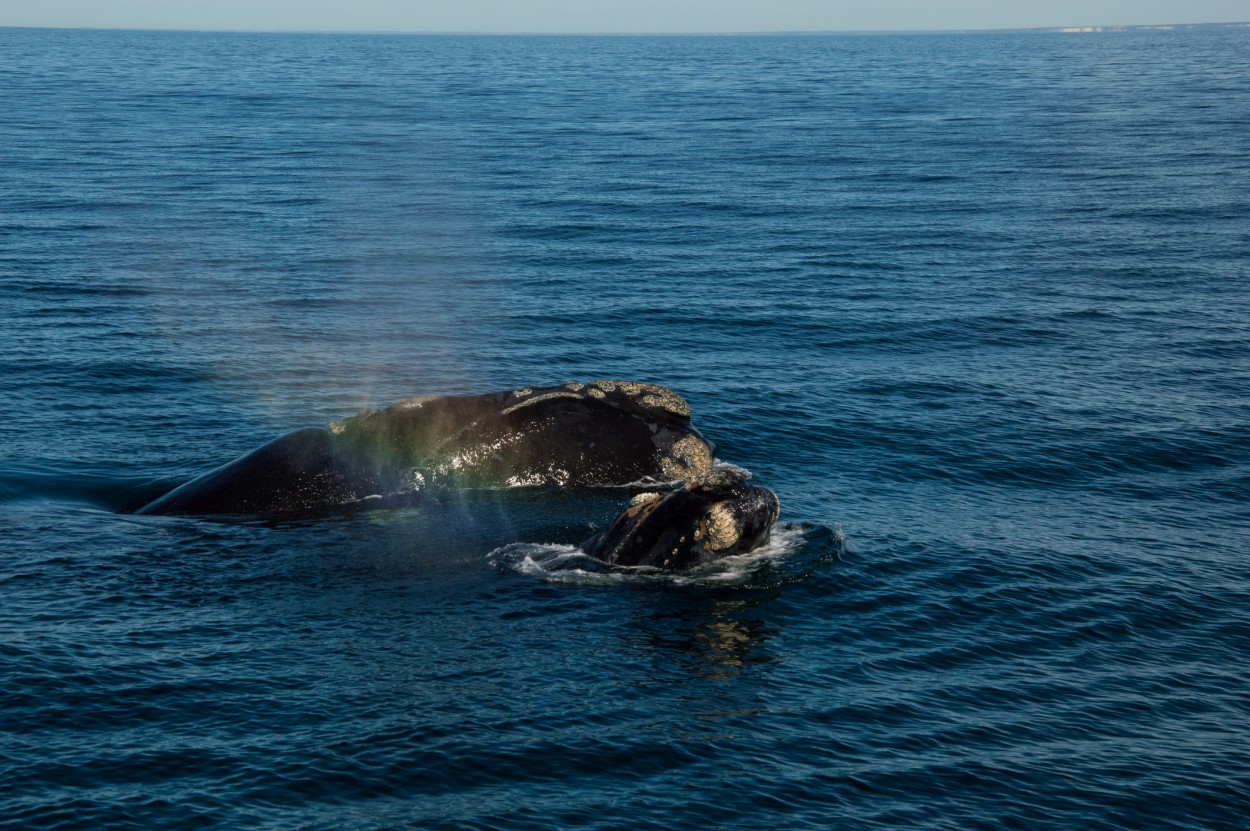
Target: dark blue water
{"type": "Point", "coordinates": [976, 307]}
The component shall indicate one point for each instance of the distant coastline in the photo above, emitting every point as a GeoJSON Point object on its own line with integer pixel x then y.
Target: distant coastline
{"type": "Point", "coordinates": [1137, 27]}
{"type": "Point", "coordinates": [1165, 27]}
{"type": "Point", "coordinates": [1085, 29]}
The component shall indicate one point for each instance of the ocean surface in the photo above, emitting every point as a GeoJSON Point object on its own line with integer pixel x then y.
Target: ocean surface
{"type": "Point", "coordinates": [977, 307]}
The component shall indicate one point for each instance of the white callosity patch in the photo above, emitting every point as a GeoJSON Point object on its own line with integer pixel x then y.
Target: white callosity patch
{"type": "Point", "coordinates": [659, 398]}
{"type": "Point", "coordinates": [689, 456]}
{"type": "Point", "coordinates": [718, 527]}
{"type": "Point", "coordinates": [544, 397]}
{"type": "Point", "coordinates": [651, 396]}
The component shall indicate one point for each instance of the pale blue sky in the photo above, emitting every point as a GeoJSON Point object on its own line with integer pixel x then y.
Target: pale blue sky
{"type": "Point", "coordinates": [611, 15]}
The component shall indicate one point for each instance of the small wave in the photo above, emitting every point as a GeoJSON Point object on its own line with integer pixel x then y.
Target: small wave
{"type": "Point", "coordinates": [783, 559]}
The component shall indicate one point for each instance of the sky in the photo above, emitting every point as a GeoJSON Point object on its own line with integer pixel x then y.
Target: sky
{"type": "Point", "coordinates": [611, 16]}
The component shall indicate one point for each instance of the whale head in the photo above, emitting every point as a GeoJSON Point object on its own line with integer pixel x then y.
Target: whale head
{"type": "Point", "coordinates": [715, 515]}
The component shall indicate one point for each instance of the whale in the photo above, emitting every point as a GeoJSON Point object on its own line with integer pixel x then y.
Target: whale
{"type": "Point", "coordinates": [595, 434]}
{"type": "Point", "coordinates": [715, 515]}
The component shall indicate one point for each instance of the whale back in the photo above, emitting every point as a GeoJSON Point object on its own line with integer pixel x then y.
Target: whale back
{"type": "Point", "coordinates": [301, 471]}
{"type": "Point", "coordinates": [604, 433]}
{"type": "Point", "coordinates": [598, 434]}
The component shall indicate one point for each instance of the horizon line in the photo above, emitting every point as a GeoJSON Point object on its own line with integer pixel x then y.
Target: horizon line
{"type": "Point", "coordinates": [1087, 28]}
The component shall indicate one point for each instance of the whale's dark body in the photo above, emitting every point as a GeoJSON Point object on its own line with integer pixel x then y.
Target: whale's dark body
{"type": "Point", "coordinates": [597, 434]}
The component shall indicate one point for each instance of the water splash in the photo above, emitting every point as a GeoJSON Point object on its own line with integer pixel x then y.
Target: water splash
{"type": "Point", "coordinates": [791, 553]}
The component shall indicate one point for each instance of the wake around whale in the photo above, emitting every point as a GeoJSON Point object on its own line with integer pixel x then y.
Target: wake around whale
{"type": "Point", "coordinates": [604, 433]}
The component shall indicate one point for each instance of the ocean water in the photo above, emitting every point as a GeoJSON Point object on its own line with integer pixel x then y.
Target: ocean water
{"type": "Point", "coordinates": [977, 307]}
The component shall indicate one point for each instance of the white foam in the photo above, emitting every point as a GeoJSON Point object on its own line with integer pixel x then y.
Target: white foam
{"type": "Point", "coordinates": [568, 564]}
